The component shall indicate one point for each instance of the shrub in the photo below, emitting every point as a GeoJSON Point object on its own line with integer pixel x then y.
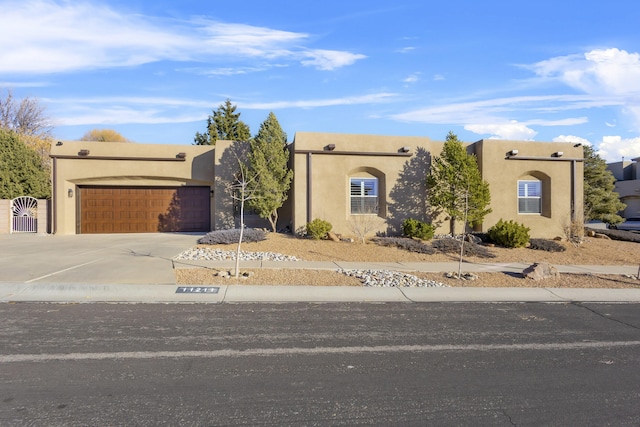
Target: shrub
{"type": "Point", "coordinates": [414, 228]}
{"type": "Point", "coordinates": [318, 228]}
{"type": "Point", "coordinates": [509, 234]}
{"type": "Point", "coordinates": [546, 245]}
{"type": "Point", "coordinates": [405, 243]}
{"type": "Point", "coordinates": [452, 246]}
{"type": "Point", "coordinates": [226, 237]}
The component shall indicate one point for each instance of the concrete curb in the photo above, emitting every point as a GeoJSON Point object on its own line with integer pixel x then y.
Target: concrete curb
{"type": "Point", "coordinates": [134, 293]}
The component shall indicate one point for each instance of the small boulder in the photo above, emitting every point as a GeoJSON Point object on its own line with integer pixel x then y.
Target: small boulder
{"type": "Point", "coordinates": [540, 271]}
{"type": "Point", "coordinates": [472, 238]}
{"type": "Point", "coordinates": [333, 236]}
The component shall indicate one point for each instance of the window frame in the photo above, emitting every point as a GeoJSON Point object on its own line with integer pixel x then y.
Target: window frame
{"type": "Point", "coordinates": [360, 199]}
{"type": "Point", "coordinates": [525, 198]}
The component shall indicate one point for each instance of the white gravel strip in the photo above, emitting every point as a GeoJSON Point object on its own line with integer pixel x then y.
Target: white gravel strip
{"type": "Point", "coordinates": [209, 254]}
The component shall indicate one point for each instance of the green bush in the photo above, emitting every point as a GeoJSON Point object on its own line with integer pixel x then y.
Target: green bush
{"type": "Point", "coordinates": [509, 234]}
{"type": "Point", "coordinates": [414, 228]}
{"type": "Point", "coordinates": [318, 228]}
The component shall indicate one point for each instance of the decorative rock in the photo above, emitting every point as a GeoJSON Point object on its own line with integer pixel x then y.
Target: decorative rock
{"type": "Point", "coordinates": [464, 276]}
{"type": "Point", "coordinates": [209, 254]}
{"type": "Point", "coordinates": [472, 238]}
{"type": "Point", "coordinates": [540, 271]}
{"type": "Point", "coordinates": [387, 279]}
{"type": "Point", "coordinates": [333, 236]}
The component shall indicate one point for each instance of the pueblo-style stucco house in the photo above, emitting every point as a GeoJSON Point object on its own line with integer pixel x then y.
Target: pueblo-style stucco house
{"type": "Point", "coordinates": [341, 178]}
{"type": "Point", "coordinates": [627, 175]}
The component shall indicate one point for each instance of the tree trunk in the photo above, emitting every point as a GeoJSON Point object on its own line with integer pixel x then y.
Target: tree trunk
{"type": "Point", "coordinates": [273, 219]}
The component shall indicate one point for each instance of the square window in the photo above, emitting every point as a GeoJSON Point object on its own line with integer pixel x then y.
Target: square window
{"type": "Point", "coordinates": [364, 196]}
{"type": "Point", "coordinates": [529, 197]}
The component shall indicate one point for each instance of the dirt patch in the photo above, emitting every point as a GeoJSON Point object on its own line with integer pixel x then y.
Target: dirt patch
{"type": "Point", "coordinates": [592, 251]}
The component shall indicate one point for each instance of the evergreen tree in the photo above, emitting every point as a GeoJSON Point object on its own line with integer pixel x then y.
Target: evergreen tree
{"type": "Point", "coordinates": [21, 170]}
{"type": "Point", "coordinates": [268, 162]}
{"type": "Point", "coordinates": [455, 185]}
{"type": "Point", "coordinates": [601, 202]}
{"type": "Point", "coordinates": [223, 124]}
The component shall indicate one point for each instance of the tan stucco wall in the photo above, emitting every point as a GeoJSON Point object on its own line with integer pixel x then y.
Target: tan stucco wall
{"type": "Point", "coordinates": [554, 172]}
{"type": "Point", "coordinates": [358, 156]}
{"type": "Point", "coordinates": [5, 216]}
{"type": "Point", "coordinates": [122, 164]}
{"type": "Point", "coordinates": [402, 179]}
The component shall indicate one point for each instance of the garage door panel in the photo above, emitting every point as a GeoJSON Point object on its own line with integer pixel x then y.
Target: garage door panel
{"type": "Point", "coordinates": [143, 209]}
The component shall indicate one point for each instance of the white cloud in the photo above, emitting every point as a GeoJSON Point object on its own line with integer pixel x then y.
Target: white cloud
{"type": "Point", "coordinates": [571, 138]}
{"type": "Point", "coordinates": [614, 148]}
{"type": "Point", "coordinates": [492, 111]}
{"type": "Point", "coordinates": [610, 71]}
{"type": "Point", "coordinates": [413, 78]}
{"type": "Point", "coordinates": [156, 110]}
{"type": "Point", "coordinates": [512, 130]}
{"type": "Point", "coordinates": [40, 36]}
{"type": "Point", "coordinates": [407, 49]}
{"type": "Point", "coordinates": [330, 59]}
{"type": "Point", "coordinates": [612, 74]}
{"type": "Point", "coordinates": [376, 98]}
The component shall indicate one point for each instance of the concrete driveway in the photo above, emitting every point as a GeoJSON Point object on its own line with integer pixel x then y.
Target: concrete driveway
{"type": "Point", "coordinates": [92, 258]}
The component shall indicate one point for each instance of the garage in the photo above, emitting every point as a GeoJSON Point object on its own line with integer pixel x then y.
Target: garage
{"type": "Point", "coordinates": [108, 209]}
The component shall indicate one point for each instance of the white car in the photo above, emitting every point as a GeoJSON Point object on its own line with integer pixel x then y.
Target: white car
{"type": "Point", "coordinates": [630, 224]}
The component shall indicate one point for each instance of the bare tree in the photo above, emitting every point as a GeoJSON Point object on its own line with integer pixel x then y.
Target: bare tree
{"type": "Point", "coordinates": [363, 225]}
{"type": "Point", "coordinates": [26, 117]}
{"type": "Point", "coordinates": [241, 191]}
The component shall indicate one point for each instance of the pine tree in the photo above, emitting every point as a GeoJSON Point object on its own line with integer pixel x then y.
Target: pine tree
{"type": "Point", "coordinates": [455, 185]}
{"type": "Point", "coordinates": [223, 124]}
{"type": "Point", "coordinates": [268, 162]}
{"type": "Point", "coordinates": [21, 169]}
{"type": "Point", "coordinates": [601, 202]}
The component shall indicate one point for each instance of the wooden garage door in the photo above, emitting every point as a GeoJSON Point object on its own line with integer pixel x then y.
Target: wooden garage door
{"type": "Point", "coordinates": [143, 209]}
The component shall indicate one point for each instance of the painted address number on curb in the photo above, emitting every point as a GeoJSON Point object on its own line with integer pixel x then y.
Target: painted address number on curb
{"type": "Point", "coordinates": [197, 290]}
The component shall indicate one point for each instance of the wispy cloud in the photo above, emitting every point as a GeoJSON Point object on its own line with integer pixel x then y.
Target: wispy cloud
{"type": "Point", "coordinates": [601, 78]}
{"type": "Point", "coordinates": [69, 36]}
{"type": "Point", "coordinates": [157, 110]}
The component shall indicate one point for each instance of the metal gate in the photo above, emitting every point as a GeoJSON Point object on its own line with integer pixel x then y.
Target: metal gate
{"type": "Point", "coordinates": [24, 215]}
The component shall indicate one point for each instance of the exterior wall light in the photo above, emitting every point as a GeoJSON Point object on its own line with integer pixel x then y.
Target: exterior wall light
{"type": "Point", "coordinates": [83, 152]}
{"type": "Point", "coordinates": [512, 153]}
{"type": "Point", "coordinates": [59, 143]}
{"type": "Point", "coordinates": [557, 154]}
{"type": "Point", "coordinates": [181, 155]}
{"type": "Point", "coordinates": [330, 147]}
{"type": "Point", "coordinates": [70, 193]}
{"type": "Point", "coordinates": [404, 149]}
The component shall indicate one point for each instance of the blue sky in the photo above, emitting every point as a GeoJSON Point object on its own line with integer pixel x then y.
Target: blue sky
{"type": "Point", "coordinates": [154, 70]}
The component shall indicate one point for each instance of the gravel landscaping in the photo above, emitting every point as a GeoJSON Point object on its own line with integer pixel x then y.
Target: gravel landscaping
{"type": "Point", "coordinates": [280, 247]}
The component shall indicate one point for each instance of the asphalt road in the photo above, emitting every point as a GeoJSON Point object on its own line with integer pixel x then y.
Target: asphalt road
{"type": "Point", "coordinates": [320, 364]}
